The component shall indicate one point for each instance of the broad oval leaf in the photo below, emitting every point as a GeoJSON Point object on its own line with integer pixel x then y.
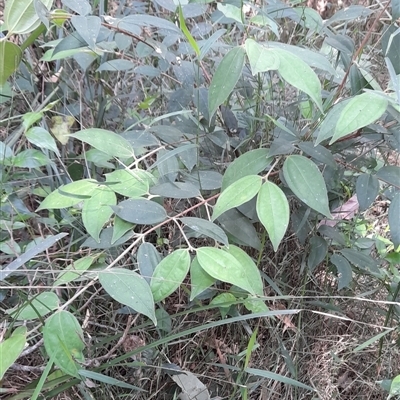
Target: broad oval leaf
{"type": "Point", "coordinates": [20, 16]}
{"type": "Point", "coordinates": [261, 59]}
{"type": "Point", "coordinates": [240, 228]}
{"type": "Point", "coordinates": [251, 270]}
{"type": "Point", "coordinates": [105, 141]}
{"type": "Point", "coordinates": [298, 74]}
{"type": "Point", "coordinates": [327, 128]}
{"type": "Point", "coordinates": [36, 307]}
{"type": "Point", "coordinates": [390, 174]}
{"type": "Point", "coordinates": [74, 270]}
{"type": "Point", "coordinates": [130, 183]}
{"type": "Point", "coordinates": [116, 65]}
{"type": "Point", "coordinates": [175, 190]}
{"type": "Point", "coordinates": [236, 194]}
{"type": "Point", "coordinates": [140, 211]}
{"type": "Point", "coordinates": [10, 57]}
{"type": "Point", "coordinates": [362, 261]}
{"type": "Point", "coordinates": [344, 271]}
{"type": "Point", "coordinates": [88, 27]}
{"type": "Point", "coordinates": [147, 258]}
{"type": "Point", "coordinates": [169, 274]}
{"type": "Point", "coordinates": [367, 188]}
{"type": "Point", "coordinates": [394, 220]}
{"type": "Point", "coordinates": [129, 288]}
{"type": "Point", "coordinates": [307, 183]}
{"type": "Point", "coordinates": [250, 163]}
{"type": "Point", "coordinates": [199, 279]}
{"type": "Point", "coordinates": [206, 228]}
{"type": "Point", "coordinates": [11, 348]}
{"type": "Point", "coordinates": [225, 78]}
{"type": "Point", "coordinates": [96, 211]}
{"type": "Point", "coordinates": [41, 138]}
{"type": "Point", "coordinates": [361, 111]}
{"type": "Point", "coordinates": [69, 195]}
{"type": "Point", "coordinates": [63, 340]}
{"type": "Point", "coordinates": [273, 211]}
{"type": "Point", "coordinates": [224, 266]}
{"type": "Point", "coordinates": [317, 253]}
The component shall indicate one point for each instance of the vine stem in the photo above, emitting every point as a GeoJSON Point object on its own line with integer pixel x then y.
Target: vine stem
{"type": "Point", "coordinates": [360, 49]}
{"type": "Point", "coordinates": [135, 243]}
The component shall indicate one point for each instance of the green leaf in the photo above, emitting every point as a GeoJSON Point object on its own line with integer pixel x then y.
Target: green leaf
{"type": "Point", "coordinates": [225, 78]}
{"type": "Point", "coordinates": [120, 228]}
{"type": "Point", "coordinates": [250, 163]}
{"type": "Point", "coordinates": [317, 253]}
{"type": "Point", "coordinates": [361, 111]}
{"type": "Point", "coordinates": [240, 228]}
{"type": "Point", "coordinates": [74, 271]}
{"type": "Point", "coordinates": [255, 305]}
{"type": "Point", "coordinates": [328, 126]}
{"type": "Point", "coordinates": [147, 258]}
{"type": "Point", "coordinates": [307, 183]}
{"type": "Point", "coordinates": [273, 211]}
{"type": "Point", "coordinates": [231, 11]}
{"type": "Point", "coordinates": [20, 16]}
{"type": "Point", "coordinates": [106, 141]}
{"type": "Point", "coordinates": [41, 138]}
{"type": "Point", "coordinates": [11, 348]}
{"type": "Point", "coordinates": [129, 288]}
{"type": "Point", "coordinates": [206, 228]}
{"type": "Point", "coordinates": [237, 193]}
{"type": "Point", "coordinates": [261, 58]}
{"type": "Point", "coordinates": [224, 266]}
{"type": "Point", "coordinates": [367, 188]}
{"type": "Point", "coordinates": [116, 65]}
{"type": "Point", "coordinates": [31, 158]}
{"type": "Point", "coordinates": [69, 195]}
{"type": "Point", "coordinates": [390, 174]}
{"type": "Point", "coordinates": [140, 211]}
{"type": "Point", "coordinates": [251, 270]}
{"type": "Point", "coordinates": [10, 57]}
{"type": "Point", "coordinates": [363, 261]}
{"type": "Point", "coordinates": [395, 386]}
{"type": "Point", "coordinates": [298, 74]}
{"type": "Point", "coordinates": [96, 211]}
{"type": "Point", "coordinates": [319, 153]}
{"type": "Point", "coordinates": [108, 380]}
{"type": "Point", "coordinates": [130, 183]}
{"type": "Point", "coordinates": [223, 301]}
{"type": "Point", "coordinates": [169, 274]}
{"type": "Point", "coordinates": [277, 377]}
{"type": "Point", "coordinates": [176, 190]}
{"type": "Point", "coordinates": [394, 220]}
{"type": "Point", "coordinates": [36, 307]}
{"type": "Point", "coordinates": [199, 279]}
{"type": "Point", "coordinates": [186, 32]}
{"type": "Point", "coordinates": [344, 271]}
{"type": "Point", "coordinates": [63, 340]}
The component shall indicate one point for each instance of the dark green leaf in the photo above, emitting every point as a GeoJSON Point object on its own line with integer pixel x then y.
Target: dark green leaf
{"type": "Point", "coordinates": [140, 211]}
{"type": "Point", "coordinates": [206, 228]}
{"type": "Point", "coordinates": [147, 258]}
{"type": "Point", "coordinates": [106, 240]}
{"type": "Point", "coordinates": [390, 174]}
{"type": "Point", "coordinates": [318, 250]}
{"type": "Point", "coordinates": [367, 188]}
{"type": "Point", "coordinates": [225, 78]}
{"type": "Point", "coordinates": [344, 271]}
{"type": "Point", "coordinates": [362, 261]}
{"type": "Point", "coordinates": [319, 153]}
{"type": "Point", "coordinates": [175, 190]}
